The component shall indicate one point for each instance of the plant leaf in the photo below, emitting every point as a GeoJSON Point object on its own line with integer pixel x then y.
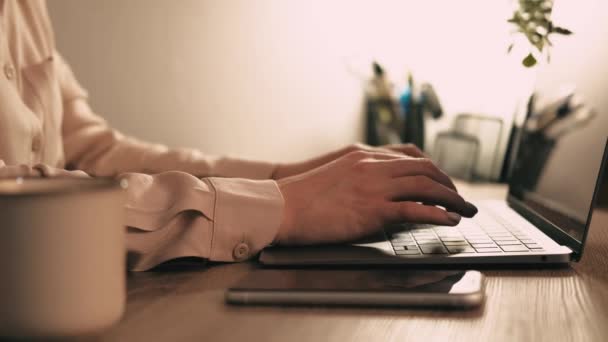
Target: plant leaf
{"type": "Point", "coordinates": [561, 30]}
{"type": "Point", "coordinates": [529, 61]}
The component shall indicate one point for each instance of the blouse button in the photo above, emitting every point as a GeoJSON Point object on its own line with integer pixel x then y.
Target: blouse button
{"type": "Point", "coordinates": [36, 144]}
{"type": "Point", "coordinates": [241, 252]}
{"type": "Point", "coordinates": [9, 71]}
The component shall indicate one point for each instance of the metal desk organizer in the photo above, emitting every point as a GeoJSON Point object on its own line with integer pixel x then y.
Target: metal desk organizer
{"type": "Point", "coordinates": [470, 149]}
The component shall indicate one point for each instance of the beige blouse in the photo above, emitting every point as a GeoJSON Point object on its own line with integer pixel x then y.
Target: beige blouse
{"type": "Point", "coordinates": [47, 128]}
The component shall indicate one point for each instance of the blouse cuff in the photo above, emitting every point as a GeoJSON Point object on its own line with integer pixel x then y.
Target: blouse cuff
{"type": "Point", "coordinates": [247, 217]}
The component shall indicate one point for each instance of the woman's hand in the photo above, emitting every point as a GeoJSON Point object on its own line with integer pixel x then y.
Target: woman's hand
{"type": "Point", "coordinates": [360, 192]}
{"type": "Point", "coordinates": [292, 169]}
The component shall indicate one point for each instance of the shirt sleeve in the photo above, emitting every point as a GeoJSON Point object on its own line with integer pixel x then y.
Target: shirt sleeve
{"type": "Point", "coordinates": [174, 214]}
{"type": "Point", "coordinates": [91, 145]}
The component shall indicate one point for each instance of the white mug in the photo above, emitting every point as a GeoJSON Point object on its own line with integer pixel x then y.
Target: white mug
{"type": "Point", "coordinates": [62, 256]}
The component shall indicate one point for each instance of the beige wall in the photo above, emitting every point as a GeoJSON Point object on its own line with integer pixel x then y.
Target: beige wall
{"type": "Point", "coordinates": [277, 80]}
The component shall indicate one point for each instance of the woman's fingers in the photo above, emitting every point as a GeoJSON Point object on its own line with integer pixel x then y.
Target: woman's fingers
{"type": "Point", "coordinates": [427, 190]}
{"type": "Point", "coordinates": [373, 156]}
{"type": "Point", "coordinates": [412, 179]}
{"type": "Point", "coordinates": [403, 167]}
{"type": "Point", "coordinates": [413, 212]}
{"type": "Point", "coordinates": [408, 149]}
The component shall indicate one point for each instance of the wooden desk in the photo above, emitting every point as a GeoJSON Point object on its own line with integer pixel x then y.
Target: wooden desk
{"type": "Point", "coordinates": [566, 304]}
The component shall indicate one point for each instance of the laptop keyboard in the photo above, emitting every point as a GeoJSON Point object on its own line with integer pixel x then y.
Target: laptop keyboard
{"type": "Point", "coordinates": [486, 233]}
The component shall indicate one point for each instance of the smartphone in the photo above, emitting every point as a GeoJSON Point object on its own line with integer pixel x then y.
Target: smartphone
{"type": "Point", "coordinates": [409, 288]}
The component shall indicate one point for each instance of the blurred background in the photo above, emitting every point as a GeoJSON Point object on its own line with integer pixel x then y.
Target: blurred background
{"type": "Point", "coordinates": [275, 79]}
{"type": "Point", "coordinates": [286, 80]}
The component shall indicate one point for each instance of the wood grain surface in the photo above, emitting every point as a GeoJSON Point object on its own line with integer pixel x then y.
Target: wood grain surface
{"type": "Point", "coordinates": [555, 304]}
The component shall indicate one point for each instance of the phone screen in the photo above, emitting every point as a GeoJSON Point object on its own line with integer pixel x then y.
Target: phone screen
{"type": "Point", "coordinates": [356, 281]}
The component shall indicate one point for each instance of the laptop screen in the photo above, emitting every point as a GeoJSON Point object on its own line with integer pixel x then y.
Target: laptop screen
{"type": "Point", "coordinates": [556, 182]}
{"type": "Point", "coordinates": [562, 141]}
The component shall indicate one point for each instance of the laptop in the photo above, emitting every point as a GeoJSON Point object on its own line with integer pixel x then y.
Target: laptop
{"type": "Point", "coordinates": [560, 152]}
{"type": "Point", "coordinates": [539, 222]}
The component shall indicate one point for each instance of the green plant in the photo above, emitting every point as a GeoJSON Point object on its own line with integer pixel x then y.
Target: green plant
{"type": "Point", "coordinates": [533, 19]}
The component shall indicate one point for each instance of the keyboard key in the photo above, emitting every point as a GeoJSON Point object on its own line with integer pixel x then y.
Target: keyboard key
{"type": "Point", "coordinates": [455, 243]}
{"type": "Point", "coordinates": [406, 247]}
{"type": "Point", "coordinates": [452, 239]}
{"type": "Point", "coordinates": [501, 235]}
{"type": "Point", "coordinates": [495, 229]}
{"type": "Point", "coordinates": [482, 245]}
{"type": "Point", "coordinates": [446, 229]}
{"type": "Point", "coordinates": [472, 227]}
{"type": "Point", "coordinates": [425, 234]}
{"type": "Point", "coordinates": [460, 249]}
{"type": "Point", "coordinates": [508, 243]}
{"type": "Point", "coordinates": [534, 246]}
{"type": "Point", "coordinates": [402, 242]}
{"type": "Point", "coordinates": [408, 252]}
{"type": "Point", "coordinates": [402, 238]}
{"type": "Point", "coordinates": [466, 223]}
{"type": "Point", "coordinates": [430, 238]}
{"type": "Point", "coordinates": [506, 239]}
{"type": "Point", "coordinates": [447, 232]}
{"type": "Point", "coordinates": [429, 242]}
{"type": "Point", "coordinates": [427, 239]}
{"type": "Point", "coordinates": [448, 235]}
{"type": "Point", "coordinates": [433, 249]}
{"type": "Point", "coordinates": [492, 226]}
{"type": "Point", "coordinates": [478, 233]}
{"type": "Point", "coordinates": [488, 250]}
{"type": "Point", "coordinates": [432, 243]}
{"type": "Point", "coordinates": [480, 241]}
{"type": "Point", "coordinates": [527, 241]}
{"type": "Point", "coordinates": [476, 237]}
{"type": "Point", "coordinates": [490, 234]}
{"type": "Point", "coordinates": [520, 248]}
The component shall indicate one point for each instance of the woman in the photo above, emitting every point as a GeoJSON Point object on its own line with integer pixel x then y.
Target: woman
{"type": "Point", "coordinates": [183, 203]}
